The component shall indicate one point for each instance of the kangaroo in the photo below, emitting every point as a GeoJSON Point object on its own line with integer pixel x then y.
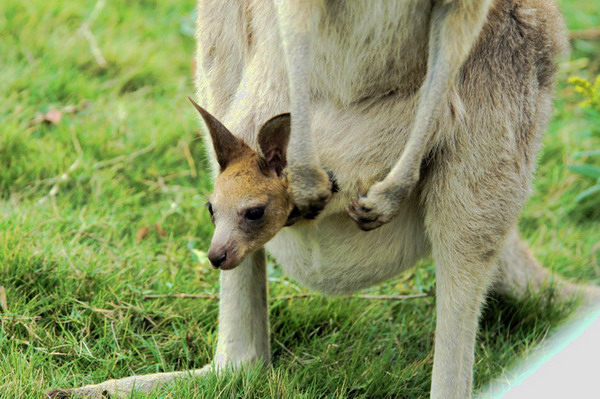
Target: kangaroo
{"type": "Point", "coordinates": [431, 110]}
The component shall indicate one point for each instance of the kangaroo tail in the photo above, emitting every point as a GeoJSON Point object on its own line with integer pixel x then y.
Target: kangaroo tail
{"type": "Point", "coordinates": [520, 273]}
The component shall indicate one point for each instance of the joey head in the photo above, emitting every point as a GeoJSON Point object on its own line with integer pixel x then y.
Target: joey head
{"type": "Point", "coordinates": [250, 202]}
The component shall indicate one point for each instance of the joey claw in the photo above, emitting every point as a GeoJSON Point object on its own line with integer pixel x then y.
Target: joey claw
{"type": "Point", "coordinates": [361, 192]}
{"type": "Point", "coordinates": [355, 202]}
{"type": "Point", "coordinates": [313, 211]}
{"type": "Point", "coordinates": [314, 207]}
{"type": "Point", "coordinates": [364, 221]}
{"type": "Point", "coordinates": [333, 184]}
{"type": "Point", "coordinates": [293, 217]}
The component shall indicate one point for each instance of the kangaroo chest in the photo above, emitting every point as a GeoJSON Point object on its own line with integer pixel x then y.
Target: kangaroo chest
{"type": "Point", "coordinates": [362, 49]}
{"type": "Point", "coordinates": [367, 49]}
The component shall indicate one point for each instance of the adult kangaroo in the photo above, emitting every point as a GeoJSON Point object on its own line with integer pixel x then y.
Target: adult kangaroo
{"type": "Point", "coordinates": [431, 110]}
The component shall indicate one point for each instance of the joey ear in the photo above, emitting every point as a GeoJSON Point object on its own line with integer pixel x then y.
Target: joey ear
{"type": "Point", "coordinates": [273, 139]}
{"type": "Point", "coordinates": [226, 145]}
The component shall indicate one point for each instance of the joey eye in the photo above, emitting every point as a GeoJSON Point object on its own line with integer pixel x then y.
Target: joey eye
{"type": "Point", "coordinates": [210, 209]}
{"type": "Point", "coordinates": [255, 214]}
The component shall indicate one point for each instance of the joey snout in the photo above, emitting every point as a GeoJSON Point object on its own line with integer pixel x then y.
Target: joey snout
{"type": "Point", "coordinates": [217, 256]}
{"type": "Point", "coordinates": [223, 256]}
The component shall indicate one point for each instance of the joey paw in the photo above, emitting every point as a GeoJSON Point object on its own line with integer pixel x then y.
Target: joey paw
{"type": "Point", "coordinates": [377, 207]}
{"type": "Point", "coordinates": [311, 190]}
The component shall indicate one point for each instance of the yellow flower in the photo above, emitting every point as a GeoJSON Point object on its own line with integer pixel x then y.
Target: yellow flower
{"type": "Point", "coordinates": [590, 92]}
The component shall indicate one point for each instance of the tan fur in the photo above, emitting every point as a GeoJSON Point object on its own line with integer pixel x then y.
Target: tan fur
{"type": "Point", "coordinates": [244, 186]}
{"type": "Point", "coordinates": [437, 107]}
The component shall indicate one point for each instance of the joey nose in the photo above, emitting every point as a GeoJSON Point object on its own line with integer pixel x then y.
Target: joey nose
{"type": "Point", "coordinates": [217, 258]}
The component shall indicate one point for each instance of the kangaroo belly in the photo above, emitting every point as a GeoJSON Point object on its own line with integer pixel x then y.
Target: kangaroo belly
{"type": "Point", "coordinates": [358, 144]}
{"type": "Point", "coordinates": [333, 256]}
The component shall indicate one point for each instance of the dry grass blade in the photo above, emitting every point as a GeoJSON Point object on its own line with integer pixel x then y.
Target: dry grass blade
{"type": "Point", "coordinates": [89, 36]}
{"type": "Point", "coordinates": [297, 296]}
{"type": "Point", "coordinates": [59, 180]}
{"type": "Point", "coordinates": [125, 158]}
{"type": "Point", "coordinates": [186, 296]}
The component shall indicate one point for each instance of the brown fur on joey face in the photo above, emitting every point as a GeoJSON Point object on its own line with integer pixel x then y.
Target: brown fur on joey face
{"type": "Point", "coordinates": [250, 202]}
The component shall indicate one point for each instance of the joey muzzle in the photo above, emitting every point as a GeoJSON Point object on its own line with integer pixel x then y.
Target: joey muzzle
{"type": "Point", "coordinates": [222, 258]}
{"type": "Point", "coordinates": [217, 258]}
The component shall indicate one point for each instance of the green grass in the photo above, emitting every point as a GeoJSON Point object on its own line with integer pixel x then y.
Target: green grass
{"type": "Point", "coordinates": [75, 273]}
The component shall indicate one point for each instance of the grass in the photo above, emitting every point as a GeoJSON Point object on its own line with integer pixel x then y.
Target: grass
{"type": "Point", "coordinates": [80, 201]}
